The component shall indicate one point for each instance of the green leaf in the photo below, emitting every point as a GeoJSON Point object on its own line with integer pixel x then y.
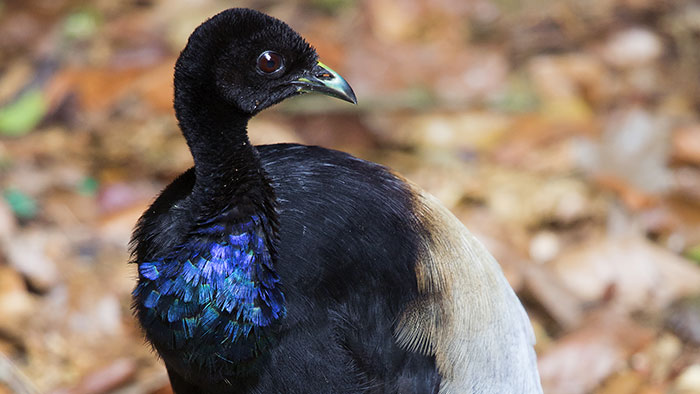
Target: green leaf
{"type": "Point", "coordinates": [331, 5]}
{"type": "Point", "coordinates": [693, 253]}
{"type": "Point", "coordinates": [81, 25]}
{"type": "Point", "coordinates": [22, 115]}
{"type": "Point", "coordinates": [88, 186]}
{"type": "Point", "coordinates": [518, 97]}
{"type": "Point", "coordinates": [23, 206]}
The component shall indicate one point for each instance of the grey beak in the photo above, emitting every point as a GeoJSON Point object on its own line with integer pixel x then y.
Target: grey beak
{"type": "Point", "coordinates": [323, 79]}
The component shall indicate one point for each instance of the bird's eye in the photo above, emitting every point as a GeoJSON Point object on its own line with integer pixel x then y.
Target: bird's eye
{"type": "Point", "coordinates": [270, 62]}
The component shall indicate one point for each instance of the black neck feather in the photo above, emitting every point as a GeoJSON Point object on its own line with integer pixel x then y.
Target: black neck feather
{"type": "Point", "coordinates": [227, 167]}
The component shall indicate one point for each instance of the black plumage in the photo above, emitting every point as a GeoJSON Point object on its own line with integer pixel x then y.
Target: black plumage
{"type": "Point", "coordinates": [296, 269]}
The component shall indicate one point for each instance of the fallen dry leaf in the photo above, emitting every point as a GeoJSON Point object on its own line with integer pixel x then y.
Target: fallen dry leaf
{"type": "Point", "coordinates": [27, 254]}
{"type": "Point", "coordinates": [600, 347]}
{"type": "Point", "coordinates": [644, 275]}
{"type": "Point", "coordinates": [685, 143]}
{"type": "Point", "coordinates": [687, 183]}
{"type": "Point", "coordinates": [563, 306]}
{"type": "Point", "coordinates": [633, 197]}
{"type": "Point", "coordinates": [625, 382]}
{"type": "Point", "coordinates": [16, 305]}
{"type": "Point", "coordinates": [460, 131]}
{"type": "Point", "coordinates": [98, 89]}
{"type": "Point", "coordinates": [105, 379]}
{"type": "Point", "coordinates": [633, 149]}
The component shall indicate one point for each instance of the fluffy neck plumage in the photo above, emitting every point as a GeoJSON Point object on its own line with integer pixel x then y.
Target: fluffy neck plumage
{"type": "Point", "coordinates": [216, 134]}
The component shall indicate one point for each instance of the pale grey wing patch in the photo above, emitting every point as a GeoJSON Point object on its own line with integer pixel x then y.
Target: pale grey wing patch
{"type": "Point", "coordinates": [470, 319]}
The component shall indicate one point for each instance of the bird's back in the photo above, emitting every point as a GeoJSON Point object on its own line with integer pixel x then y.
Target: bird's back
{"type": "Point", "coordinates": [407, 277]}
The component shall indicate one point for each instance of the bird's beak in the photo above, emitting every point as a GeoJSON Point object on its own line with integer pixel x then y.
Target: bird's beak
{"type": "Point", "coordinates": [323, 79]}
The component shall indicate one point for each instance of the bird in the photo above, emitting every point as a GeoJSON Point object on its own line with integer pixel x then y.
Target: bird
{"type": "Point", "coordinates": [287, 268]}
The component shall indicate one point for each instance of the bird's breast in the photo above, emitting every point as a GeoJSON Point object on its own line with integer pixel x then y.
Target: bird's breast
{"type": "Point", "coordinates": [211, 300]}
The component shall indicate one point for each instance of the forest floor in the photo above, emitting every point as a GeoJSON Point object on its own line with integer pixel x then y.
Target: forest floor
{"type": "Point", "coordinates": [564, 134]}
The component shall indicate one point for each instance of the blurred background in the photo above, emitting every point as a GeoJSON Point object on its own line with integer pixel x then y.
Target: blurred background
{"type": "Point", "coordinates": [564, 134]}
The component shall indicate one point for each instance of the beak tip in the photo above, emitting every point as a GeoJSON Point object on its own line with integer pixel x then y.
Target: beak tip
{"type": "Point", "coordinates": [345, 92]}
{"type": "Point", "coordinates": [330, 84]}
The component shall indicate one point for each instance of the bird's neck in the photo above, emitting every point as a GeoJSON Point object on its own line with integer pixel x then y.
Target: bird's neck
{"type": "Point", "coordinates": [227, 168]}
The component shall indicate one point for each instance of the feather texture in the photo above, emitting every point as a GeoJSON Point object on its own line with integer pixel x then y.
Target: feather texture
{"type": "Point", "coordinates": [469, 318]}
{"type": "Point", "coordinates": [213, 290]}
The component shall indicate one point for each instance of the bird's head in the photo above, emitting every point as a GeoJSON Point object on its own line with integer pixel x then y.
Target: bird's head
{"type": "Point", "coordinates": [250, 61]}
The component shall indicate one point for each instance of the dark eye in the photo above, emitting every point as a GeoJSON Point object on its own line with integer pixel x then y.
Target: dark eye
{"type": "Point", "coordinates": [270, 62]}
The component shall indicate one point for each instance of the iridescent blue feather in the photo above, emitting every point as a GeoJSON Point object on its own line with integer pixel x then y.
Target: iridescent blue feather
{"type": "Point", "coordinates": [218, 287]}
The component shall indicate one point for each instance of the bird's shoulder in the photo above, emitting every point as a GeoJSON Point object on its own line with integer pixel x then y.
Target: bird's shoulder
{"type": "Point", "coordinates": [320, 177]}
{"type": "Point", "coordinates": [296, 172]}
{"type": "Point", "coordinates": [160, 226]}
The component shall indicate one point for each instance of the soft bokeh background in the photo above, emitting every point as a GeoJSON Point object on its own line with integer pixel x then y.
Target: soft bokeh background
{"type": "Point", "coordinates": [565, 134]}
